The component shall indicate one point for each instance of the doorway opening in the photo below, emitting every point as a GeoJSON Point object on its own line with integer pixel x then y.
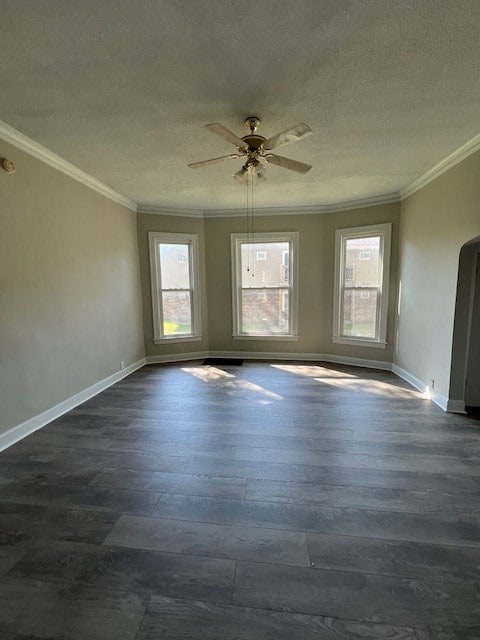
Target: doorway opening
{"type": "Point", "coordinates": [464, 393]}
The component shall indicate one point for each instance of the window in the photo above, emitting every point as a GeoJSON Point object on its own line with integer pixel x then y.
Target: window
{"type": "Point", "coordinates": [265, 295]}
{"type": "Point", "coordinates": [261, 255]}
{"type": "Point", "coordinates": [174, 275]}
{"type": "Point", "coordinates": [362, 260]}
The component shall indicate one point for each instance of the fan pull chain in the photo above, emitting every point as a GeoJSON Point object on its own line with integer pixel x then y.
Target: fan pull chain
{"type": "Point", "coordinates": [250, 230]}
{"type": "Point", "coordinates": [253, 223]}
{"type": "Point", "coordinates": [248, 226]}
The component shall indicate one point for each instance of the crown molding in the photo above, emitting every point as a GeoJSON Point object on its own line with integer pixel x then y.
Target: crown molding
{"type": "Point", "coordinates": [361, 203]}
{"type": "Point", "coordinates": [24, 143]}
{"type": "Point", "coordinates": [263, 211]}
{"type": "Point", "coordinates": [447, 163]}
{"type": "Point", "coordinates": [319, 209]}
{"type": "Point", "coordinates": [271, 211]}
{"type": "Point", "coordinates": [161, 210]}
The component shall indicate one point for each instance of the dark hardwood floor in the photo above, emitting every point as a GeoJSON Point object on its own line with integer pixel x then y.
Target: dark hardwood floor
{"type": "Point", "coordinates": [255, 502]}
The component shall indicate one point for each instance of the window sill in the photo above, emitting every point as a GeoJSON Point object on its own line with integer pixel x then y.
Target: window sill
{"type": "Point", "coordinates": [358, 342]}
{"type": "Point", "coordinates": [242, 336]}
{"type": "Point", "coordinates": [177, 339]}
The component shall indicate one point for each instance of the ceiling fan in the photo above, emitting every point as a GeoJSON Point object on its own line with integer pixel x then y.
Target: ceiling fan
{"type": "Point", "coordinates": [256, 150]}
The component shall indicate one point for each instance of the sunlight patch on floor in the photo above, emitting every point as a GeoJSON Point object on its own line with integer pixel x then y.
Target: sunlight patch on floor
{"type": "Point", "coordinates": [228, 381]}
{"type": "Point", "coordinates": [208, 374]}
{"type": "Point", "coordinates": [373, 387]}
{"type": "Point", "coordinates": [350, 381]}
{"type": "Point", "coordinates": [250, 386]}
{"type": "Point", "coordinates": [312, 371]}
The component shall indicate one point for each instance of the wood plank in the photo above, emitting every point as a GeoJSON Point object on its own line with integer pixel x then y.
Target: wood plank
{"type": "Point", "coordinates": [213, 540]}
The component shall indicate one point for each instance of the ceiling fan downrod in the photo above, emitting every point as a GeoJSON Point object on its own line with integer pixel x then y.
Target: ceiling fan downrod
{"type": "Point", "coordinates": [252, 123]}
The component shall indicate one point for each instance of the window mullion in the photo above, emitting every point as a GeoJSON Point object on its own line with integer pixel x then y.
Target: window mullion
{"type": "Point", "coordinates": [265, 289]}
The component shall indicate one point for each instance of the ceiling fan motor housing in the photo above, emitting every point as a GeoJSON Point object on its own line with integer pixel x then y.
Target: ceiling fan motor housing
{"type": "Point", "coordinates": [254, 142]}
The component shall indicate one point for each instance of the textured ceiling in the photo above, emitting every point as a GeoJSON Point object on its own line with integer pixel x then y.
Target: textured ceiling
{"type": "Point", "coordinates": [122, 89]}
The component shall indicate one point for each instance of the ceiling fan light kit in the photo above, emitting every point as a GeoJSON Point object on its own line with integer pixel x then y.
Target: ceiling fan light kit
{"type": "Point", "coordinates": [256, 150]}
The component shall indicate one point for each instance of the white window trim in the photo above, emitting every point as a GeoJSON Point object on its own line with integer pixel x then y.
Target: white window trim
{"type": "Point", "coordinates": [341, 235]}
{"type": "Point", "coordinates": [154, 239]}
{"type": "Point", "coordinates": [260, 238]}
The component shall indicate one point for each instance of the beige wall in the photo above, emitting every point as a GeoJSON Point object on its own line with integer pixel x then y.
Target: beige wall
{"type": "Point", "coordinates": [316, 272]}
{"type": "Point", "coordinates": [70, 303]}
{"type": "Point", "coordinates": [172, 224]}
{"type": "Point", "coordinates": [435, 222]}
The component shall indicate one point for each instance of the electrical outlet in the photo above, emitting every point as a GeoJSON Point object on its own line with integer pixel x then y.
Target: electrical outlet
{"type": "Point", "coordinates": [432, 384]}
{"type": "Point", "coordinates": [122, 365]}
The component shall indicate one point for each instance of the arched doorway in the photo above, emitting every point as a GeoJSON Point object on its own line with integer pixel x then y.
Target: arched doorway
{"type": "Point", "coordinates": [465, 368]}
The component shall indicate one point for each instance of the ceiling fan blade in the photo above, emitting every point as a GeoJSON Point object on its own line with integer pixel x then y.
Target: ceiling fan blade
{"type": "Point", "coordinates": [204, 163]}
{"type": "Point", "coordinates": [299, 131]}
{"type": "Point", "coordinates": [288, 163]}
{"type": "Point", "coordinates": [226, 134]}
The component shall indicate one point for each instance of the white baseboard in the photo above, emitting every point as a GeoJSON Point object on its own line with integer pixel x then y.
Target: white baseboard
{"type": "Point", "coordinates": [430, 394]}
{"type": "Point", "coordinates": [23, 430]}
{"type": "Point", "coordinates": [267, 355]}
{"type": "Point", "coordinates": [309, 357]}
{"type": "Point", "coordinates": [178, 357]}
{"type": "Point", "coordinates": [358, 362]}
{"type": "Point", "coordinates": [438, 399]}
{"type": "Point", "coordinates": [408, 377]}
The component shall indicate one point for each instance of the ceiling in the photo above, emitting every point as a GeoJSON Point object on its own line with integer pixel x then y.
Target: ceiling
{"type": "Point", "coordinates": [122, 89]}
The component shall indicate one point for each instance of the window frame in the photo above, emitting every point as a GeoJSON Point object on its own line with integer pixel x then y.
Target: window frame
{"type": "Point", "coordinates": [384, 231]}
{"type": "Point", "coordinates": [156, 238]}
{"type": "Point", "coordinates": [237, 239]}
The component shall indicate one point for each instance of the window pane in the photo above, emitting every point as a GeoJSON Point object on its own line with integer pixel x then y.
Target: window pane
{"type": "Point", "coordinates": [362, 262]}
{"type": "Point", "coordinates": [174, 267]}
{"type": "Point", "coordinates": [264, 264]}
{"type": "Point", "coordinates": [359, 313]}
{"type": "Point", "coordinates": [177, 315]}
{"type": "Point", "coordinates": [265, 311]}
